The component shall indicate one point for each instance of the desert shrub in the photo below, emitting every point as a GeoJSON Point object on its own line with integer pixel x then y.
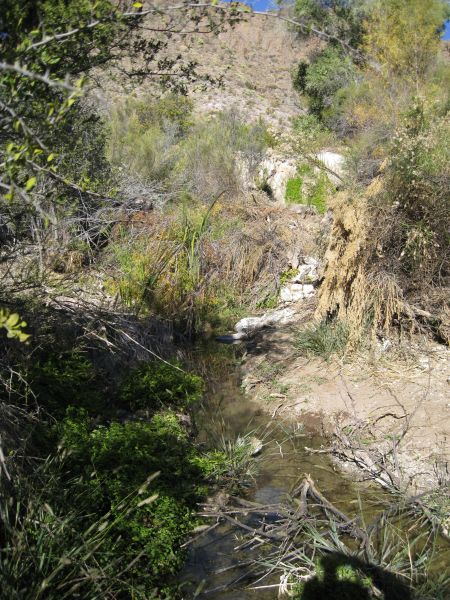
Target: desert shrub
{"type": "Point", "coordinates": [403, 36]}
{"type": "Point", "coordinates": [417, 184]}
{"type": "Point", "coordinates": [144, 133]}
{"type": "Point", "coordinates": [155, 384]}
{"type": "Point", "coordinates": [329, 71]}
{"type": "Point", "coordinates": [339, 18]}
{"type": "Point", "coordinates": [322, 339]}
{"type": "Point", "coordinates": [159, 141]}
{"type": "Point", "coordinates": [310, 134]}
{"type": "Point", "coordinates": [207, 161]}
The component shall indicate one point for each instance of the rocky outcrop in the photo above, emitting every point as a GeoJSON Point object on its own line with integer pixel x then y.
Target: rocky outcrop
{"type": "Point", "coordinates": [274, 173]}
{"type": "Point", "coordinates": [248, 326]}
{"type": "Point", "coordinates": [333, 164]}
{"type": "Point", "coordinates": [301, 286]}
{"type": "Point", "coordinates": [296, 291]}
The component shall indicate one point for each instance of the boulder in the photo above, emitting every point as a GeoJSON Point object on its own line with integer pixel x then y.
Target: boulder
{"type": "Point", "coordinates": [305, 274]}
{"type": "Point", "coordinates": [251, 325]}
{"type": "Point", "coordinates": [334, 165]}
{"type": "Point", "coordinates": [275, 172]}
{"type": "Point", "coordinates": [293, 292]}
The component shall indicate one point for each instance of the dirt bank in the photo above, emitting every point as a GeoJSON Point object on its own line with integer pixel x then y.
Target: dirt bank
{"type": "Point", "coordinates": [385, 411]}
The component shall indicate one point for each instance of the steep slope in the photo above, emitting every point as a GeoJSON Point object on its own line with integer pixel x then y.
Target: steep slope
{"type": "Point", "coordinates": [256, 59]}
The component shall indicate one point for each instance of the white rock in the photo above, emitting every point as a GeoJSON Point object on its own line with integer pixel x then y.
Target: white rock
{"type": "Point", "coordinates": [276, 171]}
{"type": "Point", "coordinates": [250, 325]}
{"type": "Point", "coordinates": [310, 260]}
{"type": "Point", "coordinates": [296, 291]}
{"type": "Point", "coordinates": [305, 273]}
{"type": "Point", "coordinates": [334, 162]}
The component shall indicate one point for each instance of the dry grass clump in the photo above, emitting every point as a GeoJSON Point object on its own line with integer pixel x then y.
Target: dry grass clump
{"type": "Point", "coordinates": [203, 264]}
{"type": "Point", "coordinates": [352, 290]}
{"type": "Point", "coordinates": [364, 284]}
{"type": "Point", "coordinates": [388, 256]}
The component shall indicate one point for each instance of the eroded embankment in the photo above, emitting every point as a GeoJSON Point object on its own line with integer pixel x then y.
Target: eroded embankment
{"type": "Point", "coordinates": [388, 405]}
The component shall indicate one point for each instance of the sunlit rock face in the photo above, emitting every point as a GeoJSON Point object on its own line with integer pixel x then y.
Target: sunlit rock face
{"type": "Point", "coordinates": [334, 165]}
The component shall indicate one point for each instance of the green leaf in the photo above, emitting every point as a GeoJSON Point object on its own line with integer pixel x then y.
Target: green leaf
{"type": "Point", "coordinates": [137, 4]}
{"type": "Point", "coordinates": [30, 184]}
{"type": "Point", "coordinates": [12, 320]}
{"type": "Point", "coordinates": [51, 157]}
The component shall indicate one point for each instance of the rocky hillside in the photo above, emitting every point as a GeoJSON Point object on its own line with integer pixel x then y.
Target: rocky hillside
{"type": "Point", "coordinates": [256, 59]}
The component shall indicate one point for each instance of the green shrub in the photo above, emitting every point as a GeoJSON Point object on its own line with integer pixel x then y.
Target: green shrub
{"type": "Point", "coordinates": [324, 340]}
{"type": "Point", "coordinates": [156, 384]}
{"type": "Point", "coordinates": [330, 71]}
{"type": "Point", "coordinates": [310, 134]}
{"type": "Point", "coordinates": [106, 463]}
{"type": "Point", "coordinates": [67, 379]}
{"type": "Point", "coordinates": [207, 156]}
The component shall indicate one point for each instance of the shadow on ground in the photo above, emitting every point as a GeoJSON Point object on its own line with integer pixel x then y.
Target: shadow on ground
{"type": "Point", "coordinates": [340, 577]}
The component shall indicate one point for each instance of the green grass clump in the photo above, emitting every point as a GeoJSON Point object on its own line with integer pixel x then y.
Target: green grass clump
{"type": "Point", "coordinates": [317, 196]}
{"type": "Point", "coordinates": [324, 340]}
{"type": "Point", "coordinates": [157, 384]}
{"type": "Point", "coordinates": [313, 194]}
{"type": "Point", "coordinates": [294, 193]}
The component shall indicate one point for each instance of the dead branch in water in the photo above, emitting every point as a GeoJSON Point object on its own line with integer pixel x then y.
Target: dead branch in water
{"type": "Point", "coordinates": [297, 533]}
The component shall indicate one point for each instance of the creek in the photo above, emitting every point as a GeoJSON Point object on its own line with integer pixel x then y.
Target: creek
{"type": "Point", "coordinates": [212, 567]}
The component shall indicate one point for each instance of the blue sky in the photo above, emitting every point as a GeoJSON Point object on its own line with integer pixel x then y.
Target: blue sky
{"type": "Point", "coordinates": [261, 4]}
{"type": "Point", "coordinates": [446, 34]}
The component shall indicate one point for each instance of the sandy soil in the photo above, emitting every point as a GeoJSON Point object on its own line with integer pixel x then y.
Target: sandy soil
{"type": "Point", "coordinates": [401, 395]}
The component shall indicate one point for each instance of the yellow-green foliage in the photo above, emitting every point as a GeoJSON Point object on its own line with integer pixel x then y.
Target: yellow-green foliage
{"type": "Point", "coordinates": [170, 270]}
{"type": "Point", "coordinates": [13, 325]}
{"type": "Point", "coordinates": [159, 141]}
{"type": "Point", "coordinates": [200, 265]}
{"type": "Point", "coordinates": [403, 35]}
{"type": "Point", "coordinates": [144, 133]}
{"type": "Point", "coordinates": [309, 188]}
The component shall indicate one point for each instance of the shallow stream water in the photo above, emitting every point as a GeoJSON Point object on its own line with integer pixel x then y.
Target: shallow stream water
{"type": "Point", "coordinates": [227, 413]}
